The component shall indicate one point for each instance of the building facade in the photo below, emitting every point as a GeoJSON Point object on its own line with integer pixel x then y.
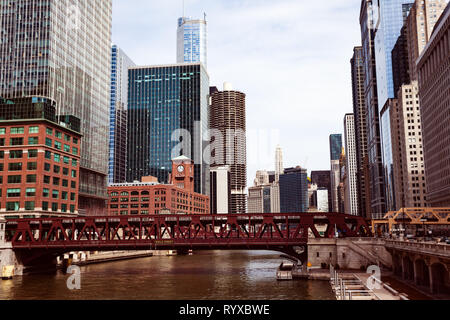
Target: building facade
{"type": "Point", "coordinates": [167, 117]}
{"type": "Point", "coordinates": [227, 121]}
{"type": "Point", "coordinates": [351, 165]}
{"type": "Point", "coordinates": [64, 55]}
{"type": "Point", "coordinates": [192, 41]}
{"type": "Point", "coordinates": [39, 160]}
{"type": "Point", "coordinates": [151, 197]}
{"type": "Point", "coordinates": [335, 153]}
{"type": "Point", "coordinates": [434, 78]}
{"type": "Point", "coordinates": [120, 63]}
{"type": "Point", "coordinates": [220, 194]}
{"type": "Point", "coordinates": [375, 191]}
{"type": "Point", "coordinates": [323, 181]}
{"type": "Point", "coordinates": [294, 190]}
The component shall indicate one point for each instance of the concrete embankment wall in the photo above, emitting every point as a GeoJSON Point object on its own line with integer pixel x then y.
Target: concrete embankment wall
{"type": "Point", "coordinates": [349, 253]}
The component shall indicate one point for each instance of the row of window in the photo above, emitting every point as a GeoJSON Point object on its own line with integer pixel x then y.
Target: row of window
{"type": "Point", "coordinates": [31, 205]}
{"type": "Point", "coordinates": [58, 145]}
{"type": "Point", "coordinates": [20, 141]}
{"type": "Point", "coordinates": [32, 178]}
{"type": "Point", "coordinates": [20, 130]}
{"type": "Point", "coordinates": [59, 135]}
{"type": "Point", "coordinates": [31, 192]}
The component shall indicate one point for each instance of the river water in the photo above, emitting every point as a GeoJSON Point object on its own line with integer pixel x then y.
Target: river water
{"type": "Point", "coordinates": [206, 275]}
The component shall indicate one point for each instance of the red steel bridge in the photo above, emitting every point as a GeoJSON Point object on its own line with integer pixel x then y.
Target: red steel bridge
{"type": "Point", "coordinates": [33, 239]}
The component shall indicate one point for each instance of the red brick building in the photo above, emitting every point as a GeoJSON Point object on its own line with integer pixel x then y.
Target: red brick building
{"type": "Point", "coordinates": [150, 197]}
{"type": "Point", "coordinates": [39, 160]}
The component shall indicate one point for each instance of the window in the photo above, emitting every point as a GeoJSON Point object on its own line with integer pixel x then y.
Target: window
{"type": "Point", "coordinates": [12, 206]}
{"type": "Point", "coordinates": [64, 195]}
{"type": "Point", "coordinates": [56, 169]}
{"type": "Point", "coordinates": [2, 154]}
{"type": "Point", "coordinates": [75, 141]}
{"type": "Point", "coordinates": [72, 196]}
{"type": "Point", "coordinates": [58, 145]}
{"type": "Point", "coordinates": [31, 192]}
{"type": "Point", "coordinates": [75, 150]}
{"type": "Point", "coordinates": [74, 162]}
{"type": "Point", "coordinates": [55, 194]}
{"type": "Point", "coordinates": [1, 167]}
{"type": "Point", "coordinates": [74, 173]}
{"type": "Point", "coordinates": [2, 130]}
{"type": "Point", "coordinates": [54, 207]}
{"type": "Point", "coordinates": [64, 207]}
{"type": "Point", "coordinates": [18, 130]}
{"type": "Point", "coordinates": [58, 134]}
{"type": "Point", "coordinates": [49, 131]}
{"type": "Point", "coordinates": [48, 142]}
{"type": "Point", "coordinates": [45, 205]}
{"type": "Point", "coordinates": [2, 142]}
{"type": "Point", "coordinates": [29, 205]}
{"type": "Point", "coordinates": [48, 155]}
{"type": "Point", "coordinates": [16, 154]}
{"type": "Point", "coordinates": [16, 141]}
{"type": "Point", "coordinates": [45, 193]}
{"type": "Point", "coordinates": [33, 140]}
{"type": "Point", "coordinates": [32, 166]}
{"type": "Point", "coordinates": [73, 184]}
{"type": "Point", "coordinates": [13, 193]}
{"type": "Point", "coordinates": [32, 153]}
{"type": "Point", "coordinates": [57, 157]}
{"type": "Point", "coordinates": [15, 166]}
{"type": "Point", "coordinates": [31, 178]}
{"type": "Point", "coordinates": [72, 208]}
{"type": "Point", "coordinates": [65, 171]}
{"type": "Point", "coordinates": [14, 179]}
{"type": "Point", "coordinates": [33, 130]}
{"type": "Point", "coordinates": [56, 181]}
{"type": "Point", "coordinates": [66, 160]}
{"type": "Point", "coordinates": [66, 148]}
{"type": "Point", "coordinates": [65, 183]}
{"type": "Point", "coordinates": [47, 166]}
{"type": "Point", "coordinates": [124, 193]}
{"type": "Point", "coordinates": [66, 137]}
{"type": "Point", "coordinates": [46, 179]}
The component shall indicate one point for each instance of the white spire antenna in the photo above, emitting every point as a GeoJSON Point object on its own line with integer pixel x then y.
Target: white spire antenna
{"type": "Point", "coordinates": [183, 8]}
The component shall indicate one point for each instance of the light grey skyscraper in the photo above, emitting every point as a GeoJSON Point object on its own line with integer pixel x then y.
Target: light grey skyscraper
{"type": "Point", "coordinates": [63, 52]}
{"type": "Point", "coordinates": [351, 165]}
{"type": "Point", "coordinates": [192, 40]}
{"type": "Point", "coordinates": [120, 64]}
{"type": "Point", "coordinates": [279, 169]}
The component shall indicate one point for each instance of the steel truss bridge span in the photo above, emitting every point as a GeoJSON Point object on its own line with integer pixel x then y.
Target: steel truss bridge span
{"type": "Point", "coordinates": [287, 233]}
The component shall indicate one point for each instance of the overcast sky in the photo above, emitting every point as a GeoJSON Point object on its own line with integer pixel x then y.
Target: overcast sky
{"type": "Point", "coordinates": [290, 57]}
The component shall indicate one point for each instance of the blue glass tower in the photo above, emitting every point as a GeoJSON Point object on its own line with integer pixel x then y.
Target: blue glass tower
{"type": "Point", "coordinates": [192, 41]}
{"type": "Point", "coordinates": [294, 190]}
{"type": "Point", "coordinates": [335, 146]}
{"type": "Point", "coordinates": [391, 17]}
{"type": "Point", "coordinates": [167, 117]}
{"type": "Point", "coordinates": [120, 63]}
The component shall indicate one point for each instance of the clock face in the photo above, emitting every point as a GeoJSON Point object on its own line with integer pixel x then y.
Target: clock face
{"type": "Point", "coordinates": [180, 169]}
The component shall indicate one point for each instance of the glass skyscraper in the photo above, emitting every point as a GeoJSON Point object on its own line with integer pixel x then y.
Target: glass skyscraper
{"type": "Point", "coordinates": [167, 117]}
{"type": "Point", "coordinates": [120, 63]}
{"type": "Point", "coordinates": [192, 40]}
{"type": "Point", "coordinates": [391, 17]}
{"type": "Point", "coordinates": [61, 49]}
{"type": "Point", "coordinates": [335, 146]}
{"type": "Point", "coordinates": [294, 190]}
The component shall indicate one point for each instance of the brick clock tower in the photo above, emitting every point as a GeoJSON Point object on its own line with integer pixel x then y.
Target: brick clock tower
{"type": "Point", "coordinates": [183, 173]}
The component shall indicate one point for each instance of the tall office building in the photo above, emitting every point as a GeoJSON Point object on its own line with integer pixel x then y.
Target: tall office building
{"type": "Point", "coordinates": [227, 118]}
{"type": "Point", "coordinates": [359, 110]}
{"type": "Point", "coordinates": [351, 165]}
{"type": "Point", "coordinates": [391, 18]}
{"type": "Point", "coordinates": [434, 78]}
{"type": "Point", "coordinates": [192, 40]}
{"type": "Point", "coordinates": [64, 55]}
{"type": "Point", "coordinates": [294, 190]}
{"type": "Point", "coordinates": [279, 168]}
{"type": "Point", "coordinates": [420, 24]}
{"type": "Point", "coordinates": [335, 153]}
{"type": "Point", "coordinates": [323, 181]}
{"type": "Point", "coordinates": [120, 63]}
{"type": "Point", "coordinates": [220, 194]}
{"type": "Point", "coordinates": [167, 117]}
{"type": "Point", "coordinates": [375, 191]}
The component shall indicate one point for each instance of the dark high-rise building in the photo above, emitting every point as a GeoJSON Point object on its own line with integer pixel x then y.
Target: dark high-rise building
{"type": "Point", "coordinates": [369, 11]}
{"type": "Point", "coordinates": [63, 52]}
{"type": "Point", "coordinates": [294, 190]}
{"type": "Point", "coordinates": [359, 110]}
{"type": "Point", "coordinates": [118, 115]}
{"type": "Point", "coordinates": [227, 116]}
{"type": "Point", "coordinates": [400, 64]}
{"type": "Point", "coordinates": [167, 118]}
{"type": "Point", "coordinates": [323, 181]}
{"type": "Point", "coordinates": [335, 146]}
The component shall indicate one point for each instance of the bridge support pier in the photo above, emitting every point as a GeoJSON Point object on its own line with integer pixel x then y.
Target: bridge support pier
{"type": "Point", "coordinates": [8, 258]}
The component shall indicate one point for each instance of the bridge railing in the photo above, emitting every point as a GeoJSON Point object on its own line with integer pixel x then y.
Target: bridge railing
{"type": "Point", "coordinates": [428, 247]}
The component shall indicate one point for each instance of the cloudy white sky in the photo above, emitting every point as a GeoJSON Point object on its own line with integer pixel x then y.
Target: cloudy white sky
{"type": "Point", "coordinates": [290, 57]}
